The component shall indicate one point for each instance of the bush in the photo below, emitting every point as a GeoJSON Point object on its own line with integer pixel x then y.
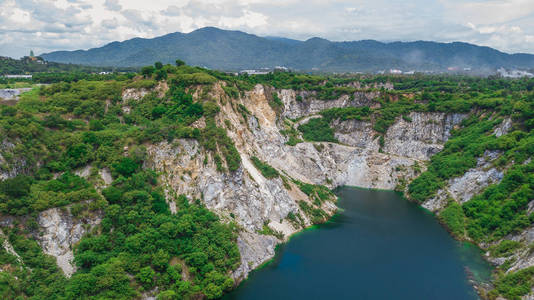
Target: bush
{"type": "Point", "coordinates": [96, 125]}
{"type": "Point", "coordinates": [317, 130]}
{"type": "Point", "coordinates": [126, 167]}
{"type": "Point", "coordinates": [504, 248]}
{"type": "Point", "coordinates": [147, 71]}
{"type": "Point", "coordinates": [516, 284]}
{"type": "Point", "coordinates": [266, 170]}
{"type": "Point", "coordinates": [454, 219]}
{"type": "Point", "coordinates": [16, 187]}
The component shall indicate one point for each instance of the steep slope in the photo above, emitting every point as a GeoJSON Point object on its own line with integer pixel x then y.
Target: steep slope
{"type": "Point", "coordinates": [183, 186]}
{"type": "Point", "coordinates": [234, 50]}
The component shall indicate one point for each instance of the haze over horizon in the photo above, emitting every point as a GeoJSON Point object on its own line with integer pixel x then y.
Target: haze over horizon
{"type": "Point", "coordinates": [49, 25]}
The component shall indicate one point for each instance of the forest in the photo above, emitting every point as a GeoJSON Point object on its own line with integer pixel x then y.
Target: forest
{"type": "Point", "coordinates": [77, 119]}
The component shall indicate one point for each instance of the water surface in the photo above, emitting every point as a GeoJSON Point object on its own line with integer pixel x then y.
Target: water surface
{"type": "Point", "coordinates": [379, 246]}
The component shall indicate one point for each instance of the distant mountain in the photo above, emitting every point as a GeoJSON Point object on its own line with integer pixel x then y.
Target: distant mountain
{"type": "Point", "coordinates": [235, 50]}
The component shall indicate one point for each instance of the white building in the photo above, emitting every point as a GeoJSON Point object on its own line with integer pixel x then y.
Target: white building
{"type": "Point", "coordinates": [254, 72]}
{"type": "Point", "coordinates": [18, 76]}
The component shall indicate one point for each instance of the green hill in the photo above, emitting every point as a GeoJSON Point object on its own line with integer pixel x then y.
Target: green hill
{"type": "Point", "coordinates": [235, 50]}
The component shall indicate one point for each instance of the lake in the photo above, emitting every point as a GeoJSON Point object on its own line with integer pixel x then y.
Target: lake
{"type": "Point", "coordinates": [379, 246]}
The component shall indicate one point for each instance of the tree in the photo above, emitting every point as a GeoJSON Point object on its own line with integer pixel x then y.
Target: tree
{"type": "Point", "coordinates": [161, 74]}
{"type": "Point", "coordinates": [16, 187]}
{"type": "Point", "coordinates": [158, 65]}
{"type": "Point", "coordinates": [96, 125]}
{"type": "Point", "coordinates": [126, 166]}
{"type": "Point", "coordinates": [212, 291]}
{"type": "Point", "coordinates": [146, 277]}
{"type": "Point", "coordinates": [167, 295]}
{"type": "Point", "coordinates": [147, 71]}
{"type": "Point", "coordinates": [79, 154]}
{"type": "Point", "coordinates": [160, 260]}
{"type": "Point", "coordinates": [179, 62]}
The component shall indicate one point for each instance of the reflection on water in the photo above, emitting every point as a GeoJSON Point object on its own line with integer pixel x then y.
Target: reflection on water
{"type": "Point", "coordinates": [378, 247]}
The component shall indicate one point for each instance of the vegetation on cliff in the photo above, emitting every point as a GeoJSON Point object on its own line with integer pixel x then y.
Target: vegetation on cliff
{"type": "Point", "coordinates": [56, 130]}
{"type": "Point", "coordinates": [139, 244]}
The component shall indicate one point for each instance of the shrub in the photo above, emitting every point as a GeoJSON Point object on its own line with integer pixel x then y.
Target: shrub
{"type": "Point", "coordinates": [147, 71]}
{"type": "Point", "coordinates": [454, 219]}
{"type": "Point", "coordinates": [504, 248]}
{"type": "Point", "coordinates": [126, 166]}
{"type": "Point", "coordinates": [16, 187]}
{"type": "Point", "coordinates": [317, 130]}
{"type": "Point", "coordinates": [266, 170]}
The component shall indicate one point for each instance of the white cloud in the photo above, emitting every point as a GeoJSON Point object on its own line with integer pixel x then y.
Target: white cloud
{"type": "Point", "coordinates": [112, 5]}
{"type": "Point", "coordinates": [48, 25]}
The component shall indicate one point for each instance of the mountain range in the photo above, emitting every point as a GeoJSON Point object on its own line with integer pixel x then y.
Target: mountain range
{"type": "Point", "coordinates": [235, 50]}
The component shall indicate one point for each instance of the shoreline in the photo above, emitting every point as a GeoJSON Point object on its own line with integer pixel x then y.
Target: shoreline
{"type": "Point", "coordinates": [481, 287]}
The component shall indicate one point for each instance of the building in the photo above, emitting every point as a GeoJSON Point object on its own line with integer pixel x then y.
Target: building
{"type": "Point", "coordinates": [255, 72]}
{"type": "Point", "coordinates": [18, 76]}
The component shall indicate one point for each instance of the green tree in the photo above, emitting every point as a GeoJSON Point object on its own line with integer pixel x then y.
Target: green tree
{"type": "Point", "coordinates": [96, 125]}
{"type": "Point", "coordinates": [161, 74]}
{"type": "Point", "coordinates": [160, 260]}
{"type": "Point", "coordinates": [146, 277]}
{"type": "Point", "coordinates": [126, 166]}
{"type": "Point", "coordinates": [147, 71]}
{"type": "Point", "coordinates": [168, 295]}
{"type": "Point", "coordinates": [16, 187]}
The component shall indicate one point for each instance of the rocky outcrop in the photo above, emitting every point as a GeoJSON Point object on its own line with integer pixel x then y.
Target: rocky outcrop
{"type": "Point", "coordinates": [246, 196]}
{"type": "Point", "coordinates": [9, 248]}
{"type": "Point", "coordinates": [422, 136]}
{"type": "Point", "coordinates": [308, 104]}
{"type": "Point", "coordinates": [59, 231]}
{"type": "Point", "coordinates": [12, 94]}
{"type": "Point", "coordinates": [137, 94]}
{"type": "Point", "coordinates": [252, 200]}
{"type": "Point", "coordinates": [254, 249]}
{"type": "Point", "coordinates": [503, 128]}
{"type": "Point", "coordinates": [134, 94]}
{"type": "Point", "coordinates": [472, 182]}
{"type": "Point", "coordinates": [15, 166]}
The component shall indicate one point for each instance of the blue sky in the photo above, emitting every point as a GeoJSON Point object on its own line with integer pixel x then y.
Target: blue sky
{"type": "Point", "coordinates": [48, 25]}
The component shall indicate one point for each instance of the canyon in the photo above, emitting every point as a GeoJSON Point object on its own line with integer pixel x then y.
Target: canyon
{"type": "Point", "coordinates": [255, 202]}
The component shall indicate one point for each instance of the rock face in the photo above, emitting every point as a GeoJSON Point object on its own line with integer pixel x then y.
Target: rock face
{"type": "Point", "coordinates": [523, 258]}
{"type": "Point", "coordinates": [253, 200]}
{"type": "Point", "coordinates": [421, 137]}
{"type": "Point", "coordinates": [138, 93]}
{"type": "Point", "coordinates": [254, 249]}
{"type": "Point", "coordinates": [15, 167]}
{"type": "Point", "coordinates": [9, 248]}
{"type": "Point", "coordinates": [134, 94]}
{"type": "Point", "coordinates": [472, 182]}
{"type": "Point", "coordinates": [308, 104]}
{"type": "Point", "coordinates": [59, 232]}
{"type": "Point", "coordinates": [12, 94]}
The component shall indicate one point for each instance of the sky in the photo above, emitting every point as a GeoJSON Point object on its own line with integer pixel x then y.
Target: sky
{"type": "Point", "coordinates": [49, 25]}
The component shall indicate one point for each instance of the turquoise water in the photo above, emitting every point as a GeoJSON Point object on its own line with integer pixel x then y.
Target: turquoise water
{"type": "Point", "coordinates": [379, 246]}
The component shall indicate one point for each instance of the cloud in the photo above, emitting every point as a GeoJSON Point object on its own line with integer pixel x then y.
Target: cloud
{"type": "Point", "coordinates": [48, 25]}
{"type": "Point", "coordinates": [172, 10]}
{"type": "Point", "coordinates": [113, 5]}
{"type": "Point", "coordinates": [110, 23]}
